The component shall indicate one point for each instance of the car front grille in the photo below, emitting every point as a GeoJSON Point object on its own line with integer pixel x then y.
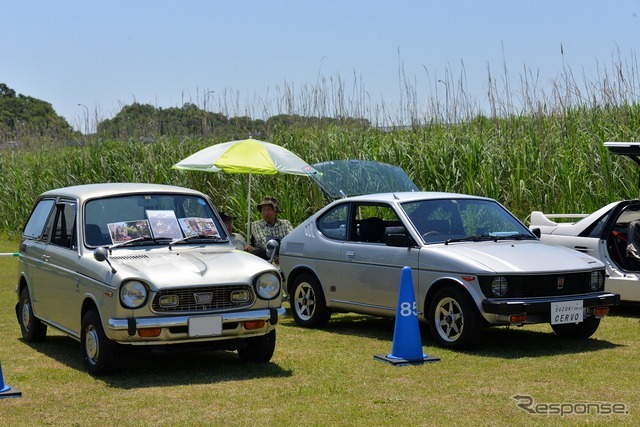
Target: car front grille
{"type": "Point", "coordinates": [204, 298]}
{"type": "Point", "coordinates": [549, 285]}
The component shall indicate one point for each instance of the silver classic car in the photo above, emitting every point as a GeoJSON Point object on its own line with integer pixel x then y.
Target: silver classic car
{"type": "Point", "coordinates": [121, 265]}
{"type": "Point", "coordinates": [473, 263]}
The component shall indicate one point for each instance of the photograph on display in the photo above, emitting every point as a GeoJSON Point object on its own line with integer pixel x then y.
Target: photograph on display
{"type": "Point", "coordinates": [198, 226]}
{"type": "Point", "coordinates": [164, 224]}
{"type": "Point", "coordinates": [128, 230]}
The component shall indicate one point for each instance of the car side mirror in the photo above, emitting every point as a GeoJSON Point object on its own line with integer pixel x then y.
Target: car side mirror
{"type": "Point", "coordinates": [536, 232]}
{"type": "Point", "coordinates": [101, 254]}
{"type": "Point", "coordinates": [399, 241]}
{"type": "Point", "coordinates": [272, 249]}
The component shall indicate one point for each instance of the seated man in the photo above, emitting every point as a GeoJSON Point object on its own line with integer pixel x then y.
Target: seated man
{"type": "Point", "coordinates": [270, 226]}
{"type": "Point", "coordinates": [236, 238]}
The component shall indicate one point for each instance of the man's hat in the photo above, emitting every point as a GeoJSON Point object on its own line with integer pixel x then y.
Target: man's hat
{"type": "Point", "coordinates": [226, 217]}
{"type": "Point", "coordinates": [270, 201]}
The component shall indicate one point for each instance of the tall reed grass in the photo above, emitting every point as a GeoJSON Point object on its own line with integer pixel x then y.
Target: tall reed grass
{"type": "Point", "coordinates": [530, 149]}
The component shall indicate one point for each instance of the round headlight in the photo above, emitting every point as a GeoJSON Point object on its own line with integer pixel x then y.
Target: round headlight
{"type": "Point", "coordinates": [499, 286]}
{"type": "Point", "coordinates": [133, 294]}
{"type": "Point", "coordinates": [597, 281]}
{"type": "Point", "coordinates": [268, 285]}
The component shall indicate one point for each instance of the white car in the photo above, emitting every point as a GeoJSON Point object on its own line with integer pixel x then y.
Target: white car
{"type": "Point", "coordinates": [473, 263]}
{"type": "Point", "coordinates": [611, 234]}
{"type": "Point", "coordinates": [123, 265]}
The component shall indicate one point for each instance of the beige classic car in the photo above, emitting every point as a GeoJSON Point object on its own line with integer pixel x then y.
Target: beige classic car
{"type": "Point", "coordinates": [122, 265]}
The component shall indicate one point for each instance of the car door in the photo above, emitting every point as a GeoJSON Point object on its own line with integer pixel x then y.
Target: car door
{"type": "Point", "coordinates": [35, 239]}
{"type": "Point", "coordinates": [370, 271]}
{"type": "Point", "coordinates": [60, 283]}
{"type": "Point", "coordinates": [619, 248]}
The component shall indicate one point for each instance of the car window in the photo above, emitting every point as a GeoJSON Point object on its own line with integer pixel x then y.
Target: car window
{"type": "Point", "coordinates": [595, 229]}
{"type": "Point", "coordinates": [333, 224]}
{"type": "Point", "coordinates": [441, 220]}
{"type": "Point", "coordinates": [64, 225]}
{"type": "Point", "coordinates": [122, 218]}
{"type": "Point", "coordinates": [36, 224]}
{"type": "Point", "coordinates": [371, 222]}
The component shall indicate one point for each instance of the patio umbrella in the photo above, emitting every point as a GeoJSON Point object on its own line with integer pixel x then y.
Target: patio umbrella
{"type": "Point", "coordinates": [248, 156]}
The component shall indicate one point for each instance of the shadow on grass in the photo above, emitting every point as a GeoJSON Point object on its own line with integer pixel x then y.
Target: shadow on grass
{"type": "Point", "coordinates": [499, 342]}
{"type": "Point", "coordinates": [140, 368]}
{"type": "Point", "coordinates": [626, 309]}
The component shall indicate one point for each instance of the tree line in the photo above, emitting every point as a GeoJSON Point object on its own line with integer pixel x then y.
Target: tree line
{"type": "Point", "coordinates": [27, 119]}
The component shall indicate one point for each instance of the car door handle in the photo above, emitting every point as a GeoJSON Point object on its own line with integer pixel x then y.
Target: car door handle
{"type": "Point", "coordinates": [350, 254]}
{"type": "Point", "coordinates": [45, 258]}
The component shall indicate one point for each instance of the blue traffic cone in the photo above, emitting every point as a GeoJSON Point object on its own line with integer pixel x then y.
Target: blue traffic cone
{"type": "Point", "coordinates": [6, 390]}
{"type": "Point", "coordinates": [407, 345]}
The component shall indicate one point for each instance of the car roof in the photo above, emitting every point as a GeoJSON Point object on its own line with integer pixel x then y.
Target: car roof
{"type": "Point", "coordinates": [90, 191]}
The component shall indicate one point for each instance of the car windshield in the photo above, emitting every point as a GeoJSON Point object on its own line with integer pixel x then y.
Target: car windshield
{"type": "Point", "coordinates": [460, 219]}
{"type": "Point", "coordinates": [345, 178]}
{"type": "Point", "coordinates": [145, 218]}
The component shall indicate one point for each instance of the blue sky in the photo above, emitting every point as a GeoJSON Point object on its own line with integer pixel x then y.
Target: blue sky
{"type": "Point", "coordinates": [107, 54]}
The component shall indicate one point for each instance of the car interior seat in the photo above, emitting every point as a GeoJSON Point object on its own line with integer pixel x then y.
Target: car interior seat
{"type": "Point", "coordinates": [633, 245]}
{"type": "Point", "coordinates": [372, 229]}
{"type": "Point", "coordinates": [94, 235]}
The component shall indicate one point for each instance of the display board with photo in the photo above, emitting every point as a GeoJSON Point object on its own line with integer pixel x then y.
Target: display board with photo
{"type": "Point", "coordinates": [128, 230]}
{"type": "Point", "coordinates": [198, 226]}
{"type": "Point", "coordinates": [164, 224]}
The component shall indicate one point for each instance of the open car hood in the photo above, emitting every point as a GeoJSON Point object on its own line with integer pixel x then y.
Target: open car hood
{"type": "Point", "coordinates": [345, 178]}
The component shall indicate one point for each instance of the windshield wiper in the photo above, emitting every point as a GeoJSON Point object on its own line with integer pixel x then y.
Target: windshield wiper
{"type": "Point", "coordinates": [476, 238]}
{"type": "Point", "coordinates": [140, 239]}
{"type": "Point", "coordinates": [487, 237]}
{"type": "Point", "coordinates": [197, 236]}
{"type": "Point", "coordinates": [520, 236]}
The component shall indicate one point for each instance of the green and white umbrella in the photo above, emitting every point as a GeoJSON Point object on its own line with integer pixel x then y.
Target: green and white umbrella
{"type": "Point", "coordinates": [249, 156]}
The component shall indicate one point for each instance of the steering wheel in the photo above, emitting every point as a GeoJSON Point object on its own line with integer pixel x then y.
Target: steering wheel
{"type": "Point", "coordinates": [431, 233]}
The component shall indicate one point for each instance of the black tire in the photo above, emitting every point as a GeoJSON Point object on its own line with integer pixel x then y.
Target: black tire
{"type": "Point", "coordinates": [259, 349]}
{"type": "Point", "coordinates": [453, 319]}
{"type": "Point", "coordinates": [99, 353]}
{"type": "Point", "coordinates": [307, 301]}
{"type": "Point", "coordinates": [580, 330]}
{"type": "Point", "coordinates": [33, 330]}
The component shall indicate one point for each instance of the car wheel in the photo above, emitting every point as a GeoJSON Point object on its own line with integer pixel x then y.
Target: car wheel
{"type": "Point", "coordinates": [33, 330]}
{"type": "Point", "coordinates": [580, 330]}
{"type": "Point", "coordinates": [453, 319]}
{"type": "Point", "coordinates": [99, 352]}
{"type": "Point", "coordinates": [259, 349]}
{"type": "Point", "coordinates": [307, 302]}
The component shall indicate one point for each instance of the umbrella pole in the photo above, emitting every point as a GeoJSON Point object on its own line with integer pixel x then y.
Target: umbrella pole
{"type": "Point", "coordinates": [249, 211]}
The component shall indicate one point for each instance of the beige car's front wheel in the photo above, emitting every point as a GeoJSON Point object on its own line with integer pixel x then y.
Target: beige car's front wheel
{"type": "Point", "coordinates": [99, 352]}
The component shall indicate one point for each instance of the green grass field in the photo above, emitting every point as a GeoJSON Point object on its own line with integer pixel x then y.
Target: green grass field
{"type": "Point", "coordinates": [329, 377]}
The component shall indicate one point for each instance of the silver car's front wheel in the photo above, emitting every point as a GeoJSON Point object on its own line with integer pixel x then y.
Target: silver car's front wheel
{"type": "Point", "coordinates": [453, 319]}
{"type": "Point", "coordinates": [307, 302]}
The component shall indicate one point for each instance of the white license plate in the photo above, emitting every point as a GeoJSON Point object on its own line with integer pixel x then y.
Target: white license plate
{"type": "Point", "coordinates": [205, 326]}
{"type": "Point", "coordinates": [566, 312]}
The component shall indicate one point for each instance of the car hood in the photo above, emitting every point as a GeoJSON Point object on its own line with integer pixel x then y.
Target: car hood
{"type": "Point", "coordinates": [509, 257]}
{"type": "Point", "coordinates": [194, 267]}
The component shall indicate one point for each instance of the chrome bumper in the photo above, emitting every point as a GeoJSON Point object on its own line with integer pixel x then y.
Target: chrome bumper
{"type": "Point", "coordinates": [177, 321]}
